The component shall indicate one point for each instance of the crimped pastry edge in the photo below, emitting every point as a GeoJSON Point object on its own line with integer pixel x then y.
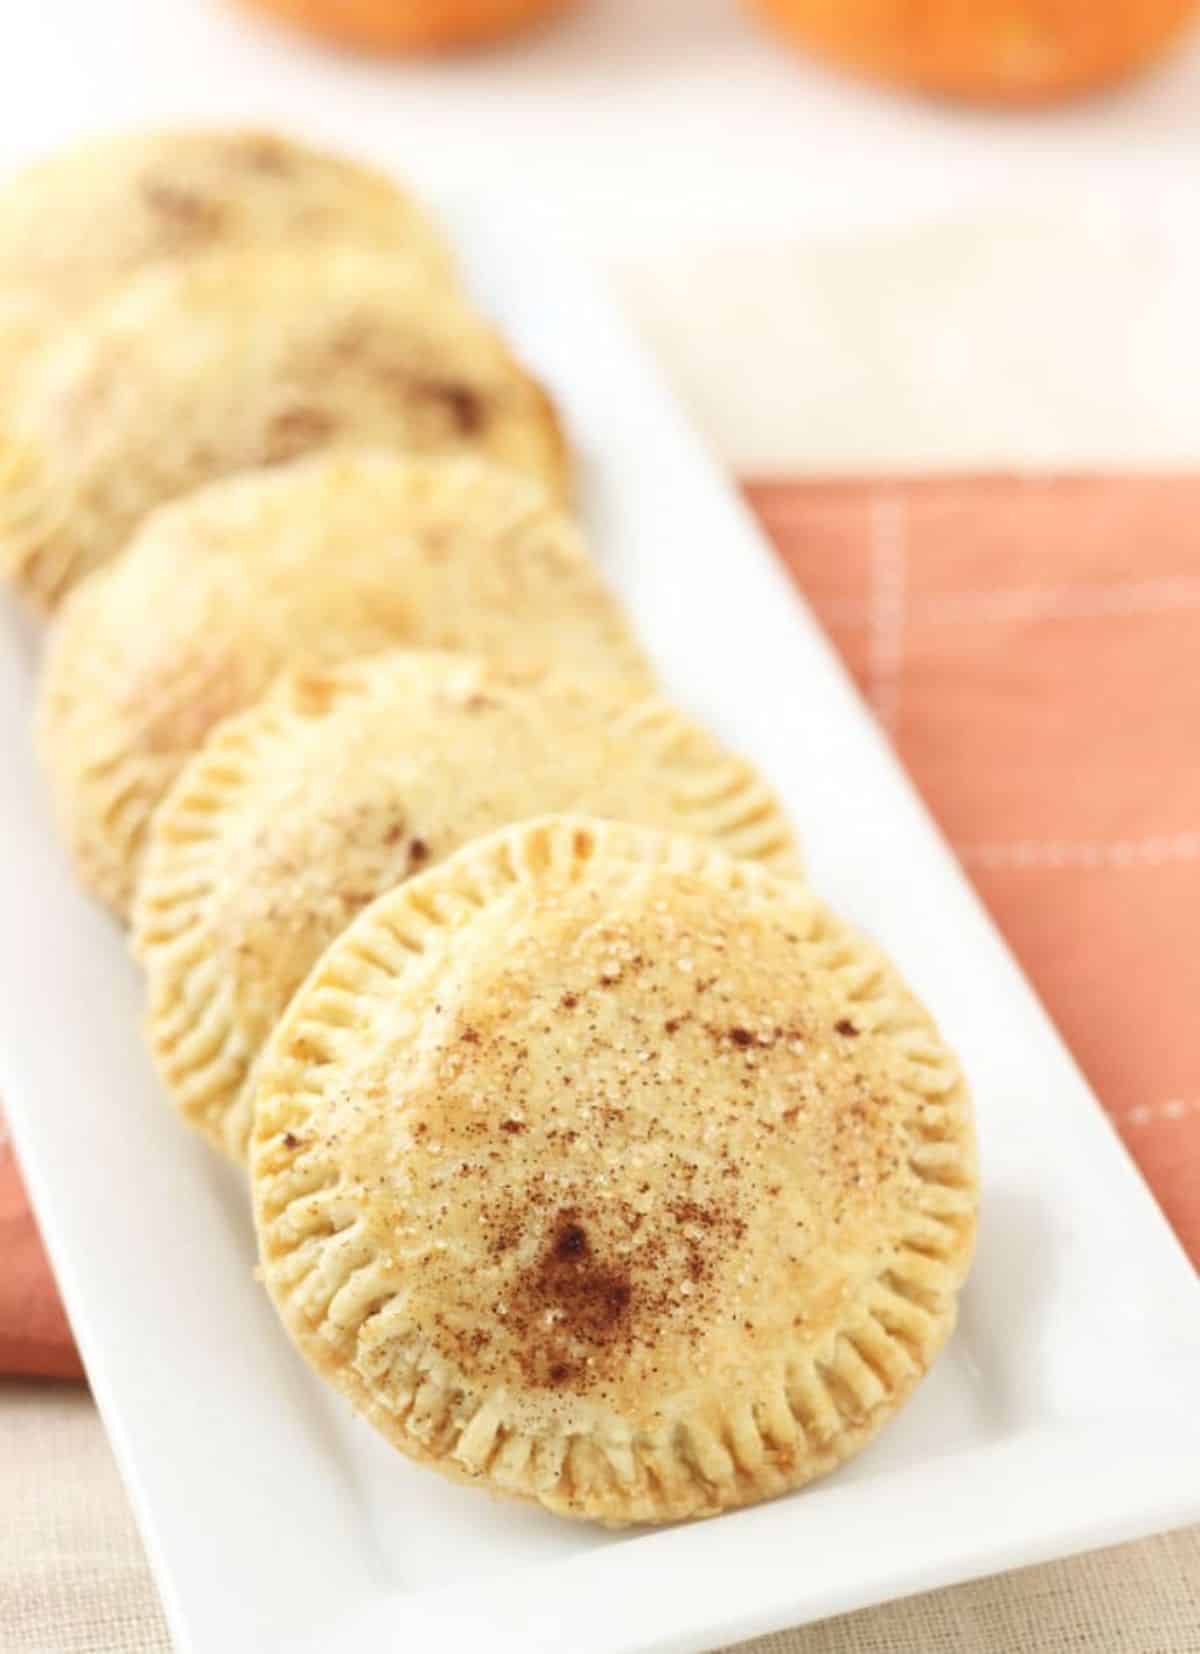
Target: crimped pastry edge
{"type": "Point", "coordinates": [104, 795]}
{"type": "Point", "coordinates": [198, 1047]}
{"type": "Point", "coordinates": [836, 1403]}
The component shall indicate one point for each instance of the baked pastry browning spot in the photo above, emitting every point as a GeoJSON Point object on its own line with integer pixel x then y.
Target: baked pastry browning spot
{"type": "Point", "coordinates": [315, 563]}
{"type": "Point", "coordinates": [342, 782]}
{"type": "Point", "coordinates": [78, 225]}
{"type": "Point", "coordinates": [568, 1171]}
{"type": "Point", "coordinates": [196, 370]}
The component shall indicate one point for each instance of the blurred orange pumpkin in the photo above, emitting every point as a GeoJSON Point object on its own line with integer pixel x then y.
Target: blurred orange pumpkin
{"type": "Point", "coordinates": [989, 51]}
{"type": "Point", "coordinates": [410, 25]}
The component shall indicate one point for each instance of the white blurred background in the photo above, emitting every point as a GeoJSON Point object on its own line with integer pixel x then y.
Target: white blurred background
{"type": "Point", "coordinates": [647, 124]}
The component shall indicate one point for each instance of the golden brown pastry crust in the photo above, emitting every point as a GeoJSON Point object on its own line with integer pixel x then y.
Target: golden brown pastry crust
{"type": "Point", "coordinates": [343, 782]}
{"type": "Point", "coordinates": [76, 225]}
{"type": "Point", "coordinates": [311, 564]}
{"type": "Point", "coordinates": [613, 1173]}
{"type": "Point", "coordinates": [246, 358]}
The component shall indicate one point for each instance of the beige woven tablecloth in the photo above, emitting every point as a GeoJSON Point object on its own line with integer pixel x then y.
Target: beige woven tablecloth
{"type": "Point", "coordinates": [73, 1576]}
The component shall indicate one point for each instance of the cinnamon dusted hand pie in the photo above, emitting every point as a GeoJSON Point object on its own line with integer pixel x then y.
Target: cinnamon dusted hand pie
{"type": "Point", "coordinates": [342, 783]}
{"type": "Point", "coordinates": [77, 224]}
{"type": "Point", "coordinates": [599, 1168]}
{"type": "Point", "coordinates": [242, 359]}
{"type": "Point", "coordinates": [314, 563]}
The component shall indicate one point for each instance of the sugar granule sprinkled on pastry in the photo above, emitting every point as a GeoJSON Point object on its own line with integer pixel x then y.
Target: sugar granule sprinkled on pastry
{"type": "Point", "coordinates": [639, 1246]}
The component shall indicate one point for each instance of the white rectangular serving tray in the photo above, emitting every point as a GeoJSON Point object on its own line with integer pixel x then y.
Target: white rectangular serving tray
{"type": "Point", "coordinates": [1062, 1416]}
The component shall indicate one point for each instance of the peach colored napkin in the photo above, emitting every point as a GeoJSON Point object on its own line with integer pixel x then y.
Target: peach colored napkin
{"type": "Point", "coordinates": [1033, 648]}
{"type": "Point", "coordinates": [34, 1335]}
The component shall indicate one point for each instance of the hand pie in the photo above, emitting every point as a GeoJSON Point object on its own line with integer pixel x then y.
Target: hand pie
{"type": "Point", "coordinates": [311, 564]}
{"type": "Point", "coordinates": [599, 1168]}
{"type": "Point", "coordinates": [340, 784]}
{"type": "Point", "coordinates": [76, 225]}
{"type": "Point", "coordinates": [242, 359]}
